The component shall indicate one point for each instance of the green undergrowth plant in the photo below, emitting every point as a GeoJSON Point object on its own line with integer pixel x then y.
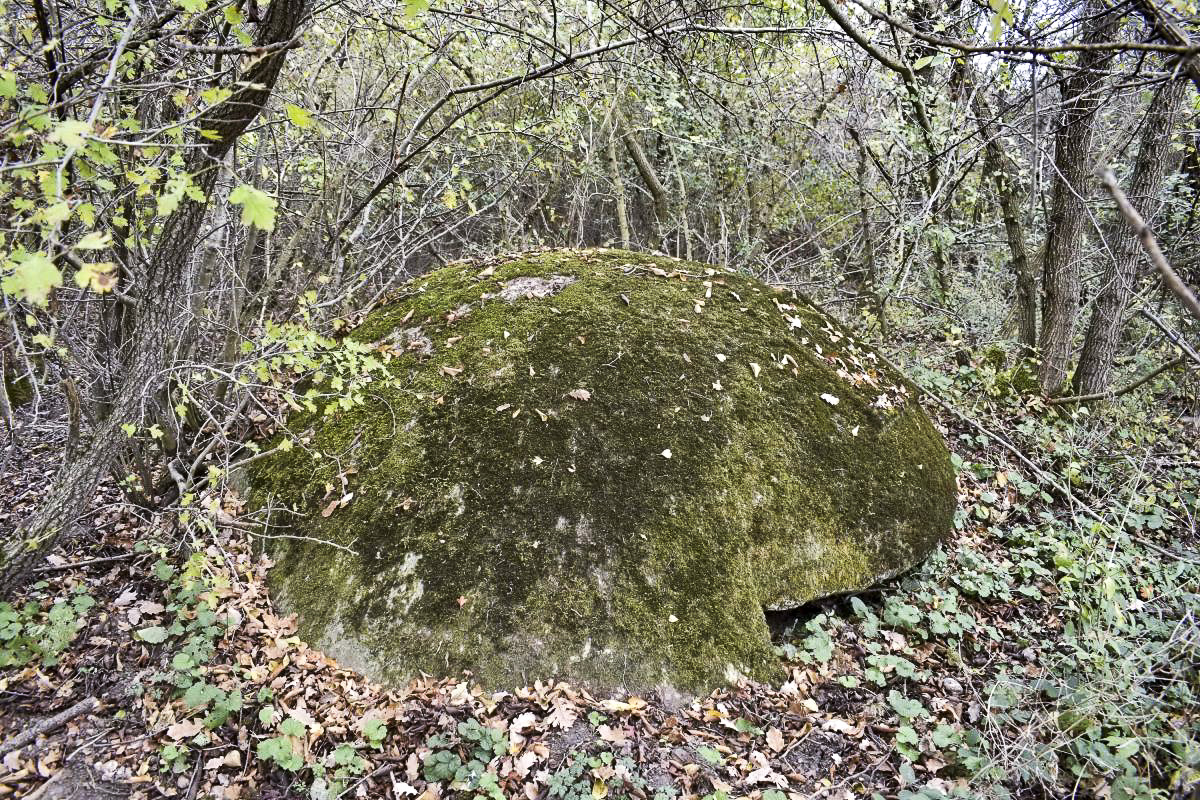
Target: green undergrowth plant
{"type": "Point", "coordinates": [192, 636]}
{"type": "Point", "coordinates": [1114, 710]}
{"type": "Point", "coordinates": [599, 772]}
{"type": "Point", "coordinates": [466, 763]}
{"type": "Point", "coordinates": [1068, 601]}
{"type": "Point", "coordinates": [39, 631]}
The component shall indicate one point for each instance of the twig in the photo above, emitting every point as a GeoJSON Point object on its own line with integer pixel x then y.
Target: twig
{"type": "Point", "coordinates": [71, 392]}
{"type": "Point", "coordinates": [1172, 336]}
{"type": "Point", "coordinates": [41, 791]}
{"type": "Point", "coordinates": [89, 562]}
{"type": "Point", "coordinates": [386, 769]}
{"type": "Point", "coordinates": [1166, 28]}
{"type": "Point", "coordinates": [1085, 398]}
{"type": "Point", "coordinates": [84, 706]}
{"type": "Point", "coordinates": [1150, 244]}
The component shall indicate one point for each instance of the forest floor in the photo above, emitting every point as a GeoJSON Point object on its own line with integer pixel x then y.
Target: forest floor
{"type": "Point", "coordinates": [1050, 649]}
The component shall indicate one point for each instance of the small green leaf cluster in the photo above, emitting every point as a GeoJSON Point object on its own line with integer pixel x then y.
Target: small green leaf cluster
{"type": "Point", "coordinates": [339, 370]}
{"type": "Point", "coordinates": [286, 749]}
{"type": "Point", "coordinates": [466, 763]}
{"type": "Point", "coordinates": [192, 632]}
{"type": "Point", "coordinates": [31, 634]}
{"type": "Point", "coordinates": [818, 645]}
{"type": "Point", "coordinates": [578, 778]}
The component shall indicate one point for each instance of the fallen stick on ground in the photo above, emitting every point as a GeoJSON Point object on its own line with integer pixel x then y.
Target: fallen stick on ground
{"type": "Point", "coordinates": [45, 726]}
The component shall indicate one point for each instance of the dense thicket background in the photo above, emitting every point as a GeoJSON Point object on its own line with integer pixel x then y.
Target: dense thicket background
{"type": "Point", "coordinates": [199, 198]}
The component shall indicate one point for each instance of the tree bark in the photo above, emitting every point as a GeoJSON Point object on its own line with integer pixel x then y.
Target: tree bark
{"type": "Point", "coordinates": [683, 243]}
{"type": "Point", "coordinates": [1120, 272]}
{"type": "Point", "coordinates": [158, 310]}
{"type": "Point", "coordinates": [1068, 219]}
{"type": "Point", "coordinates": [614, 174]}
{"type": "Point", "coordinates": [869, 295]}
{"type": "Point", "coordinates": [1170, 278]}
{"type": "Point", "coordinates": [658, 192]}
{"type": "Point", "coordinates": [998, 165]}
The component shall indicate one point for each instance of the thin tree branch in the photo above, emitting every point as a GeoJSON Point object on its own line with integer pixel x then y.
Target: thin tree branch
{"type": "Point", "coordinates": [1173, 33]}
{"type": "Point", "coordinates": [1171, 278]}
{"type": "Point", "coordinates": [1183, 48]}
{"type": "Point", "coordinates": [1149, 376]}
{"type": "Point", "coordinates": [28, 736]}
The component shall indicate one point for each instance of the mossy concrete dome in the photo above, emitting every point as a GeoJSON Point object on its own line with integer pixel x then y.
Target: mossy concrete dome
{"type": "Point", "coordinates": [599, 466]}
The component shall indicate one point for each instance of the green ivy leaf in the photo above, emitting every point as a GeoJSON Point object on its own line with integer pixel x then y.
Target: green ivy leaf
{"type": "Point", "coordinates": [906, 708]}
{"type": "Point", "coordinates": [155, 634]}
{"type": "Point", "coordinates": [374, 730]}
{"type": "Point", "coordinates": [33, 277]}
{"type": "Point", "coordinates": [279, 749]}
{"type": "Point", "coordinates": [298, 116]}
{"type": "Point", "coordinates": [944, 736]}
{"type": "Point", "coordinates": [200, 694]}
{"type": "Point", "coordinates": [258, 207]}
{"type": "Point", "coordinates": [292, 727]}
{"type": "Point", "coordinates": [95, 240]}
{"type": "Point", "coordinates": [414, 7]}
{"type": "Point", "coordinates": [55, 214]}
{"type": "Point", "coordinates": [215, 95]}
{"type": "Point", "coordinates": [70, 132]}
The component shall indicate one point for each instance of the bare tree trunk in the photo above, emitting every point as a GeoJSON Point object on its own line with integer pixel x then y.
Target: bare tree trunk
{"type": "Point", "coordinates": [6, 412]}
{"type": "Point", "coordinates": [614, 174]}
{"type": "Point", "coordinates": [158, 310]}
{"type": "Point", "coordinates": [999, 166]}
{"type": "Point", "coordinates": [923, 17]}
{"type": "Point", "coordinates": [1072, 153]}
{"type": "Point", "coordinates": [869, 294]}
{"type": "Point", "coordinates": [658, 192]}
{"type": "Point", "coordinates": [1120, 272]}
{"type": "Point", "coordinates": [683, 241]}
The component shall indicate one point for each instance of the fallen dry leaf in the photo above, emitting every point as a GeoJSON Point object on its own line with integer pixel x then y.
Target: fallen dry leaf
{"type": "Point", "coordinates": [184, 730]}
{"type": "Point", "coordinates": [563, 716]}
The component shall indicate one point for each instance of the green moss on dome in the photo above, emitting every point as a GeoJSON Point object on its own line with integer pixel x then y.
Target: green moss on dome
{"type": "Point", "coordinates": [502, 524]}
